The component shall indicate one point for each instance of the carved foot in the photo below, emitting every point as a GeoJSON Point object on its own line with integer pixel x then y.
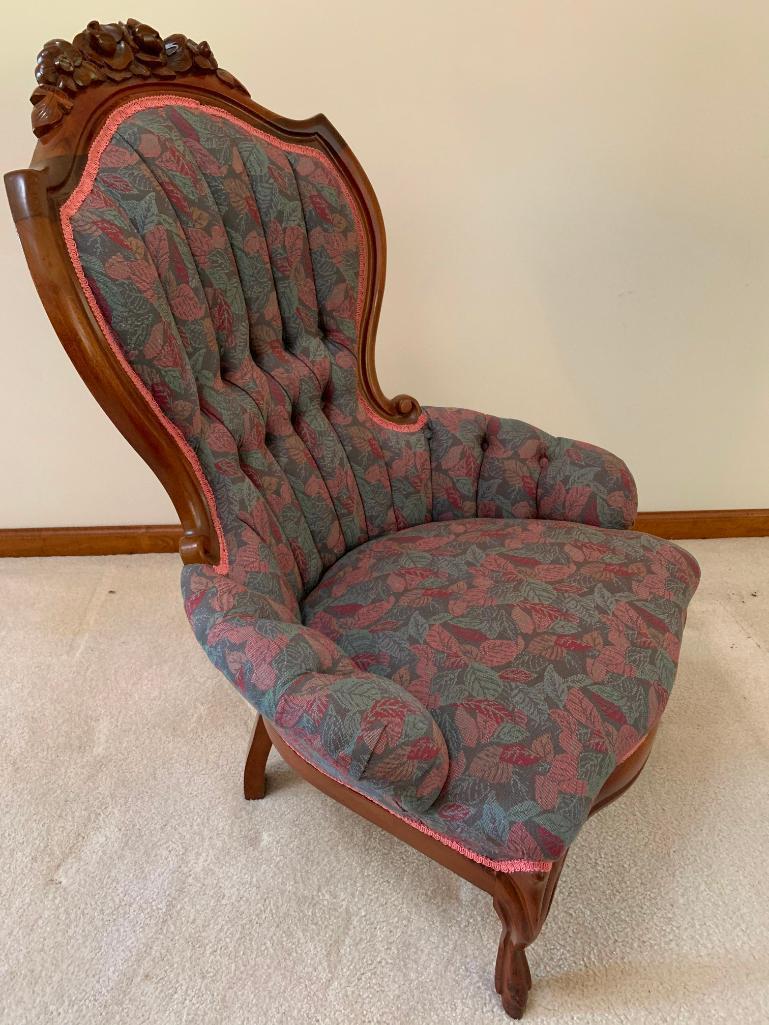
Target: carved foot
{"type": "Point", "coordinates": [253, 773]}
{"type": "Point", "coordinates": [522, 901]}
{"type": "Point", "coordinates": [512, 977]}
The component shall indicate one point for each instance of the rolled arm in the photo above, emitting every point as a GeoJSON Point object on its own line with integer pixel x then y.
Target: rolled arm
{"type": "Point", "coordinates": [352, 724]}
{"type": "Point", "coordinates": [493, 467]}
{"type": "Point", "coordinates": [585, 484]}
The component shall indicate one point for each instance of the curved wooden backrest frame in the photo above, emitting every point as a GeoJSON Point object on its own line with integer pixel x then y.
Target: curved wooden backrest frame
{"type": "Point", "coordinates": [80, 85]}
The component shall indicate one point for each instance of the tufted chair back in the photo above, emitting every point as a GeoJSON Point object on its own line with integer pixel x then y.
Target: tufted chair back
{"type": "Point", "coordinates": [227, 268]}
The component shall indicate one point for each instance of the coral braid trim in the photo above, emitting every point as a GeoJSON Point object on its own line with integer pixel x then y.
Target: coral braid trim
{"type": "Point", "coordinates": [388, 425]}
{"type": "Point", "coordinates": [513, 865]}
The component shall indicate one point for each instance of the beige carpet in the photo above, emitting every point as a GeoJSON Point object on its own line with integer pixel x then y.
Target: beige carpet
{"type": "Point", "coordinates": [137, 886]}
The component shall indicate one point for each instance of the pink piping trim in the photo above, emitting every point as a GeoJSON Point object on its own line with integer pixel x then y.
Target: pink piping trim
{"type": "Point", "coordinates": [418, 424]}
{"type": "Point", "coordinates": [75, 201]}
{"type": "Point", "coordinates": [514, 865]}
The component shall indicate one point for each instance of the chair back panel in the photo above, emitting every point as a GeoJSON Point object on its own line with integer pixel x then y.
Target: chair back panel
{"type": "Point", "coordinates": [229, 269]}
{"type": "Point", "coordinates": [215, 272]}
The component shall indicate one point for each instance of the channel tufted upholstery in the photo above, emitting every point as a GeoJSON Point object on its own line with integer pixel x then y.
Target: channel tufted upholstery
{"type": "Point", "coordinates": [449, 617]}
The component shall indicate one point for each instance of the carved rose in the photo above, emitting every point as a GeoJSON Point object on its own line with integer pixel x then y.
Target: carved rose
{"type": "Point", "coordinates": [107, 46]}
{"type": "Point", "coordinates": [146, 41]}
{"type": "Point", "coordinates": [186, 55]}
{"type": "Point", "coordinates": [117, 52]}
{"type": "Point", "coordinates": [149, 48]}
{"type": "Point", "coordinates": [203, 59]}
{"type": "Point", "coordinates": [61, 65]}
{"type": "Point", "coordinates": [178, 53]}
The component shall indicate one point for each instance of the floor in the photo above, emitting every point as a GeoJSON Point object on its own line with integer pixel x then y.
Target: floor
{"type": "Point", "coordinates": [137, 886]}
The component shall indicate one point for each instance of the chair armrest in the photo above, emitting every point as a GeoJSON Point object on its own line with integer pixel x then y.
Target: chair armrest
{"type": "Point", "coordinates": [354, 724]}
{"type": "Point", "coordinates": [585, 484]}
{"type": "Point", "coordinates": [493, 467]}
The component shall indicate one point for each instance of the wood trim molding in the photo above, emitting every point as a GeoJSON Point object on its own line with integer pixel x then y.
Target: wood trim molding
{"type": "Point", "coordinates": [705, 523]}
{"type": "Point", "coordinates": [129, 540]}
{"type": "Point", "coordinates": [156, 538]}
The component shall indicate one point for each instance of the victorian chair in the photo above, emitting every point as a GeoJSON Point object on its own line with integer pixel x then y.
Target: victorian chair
{"type": "Point", "coordinates": [442, 618]}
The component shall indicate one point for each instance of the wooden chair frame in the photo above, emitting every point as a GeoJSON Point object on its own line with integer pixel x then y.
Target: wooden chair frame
{"type": "Point", "coordinates": [79, 86]}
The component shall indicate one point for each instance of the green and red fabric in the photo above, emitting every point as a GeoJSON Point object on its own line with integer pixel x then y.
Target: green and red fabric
{"type": "Point", "coordinates": [449, 616]}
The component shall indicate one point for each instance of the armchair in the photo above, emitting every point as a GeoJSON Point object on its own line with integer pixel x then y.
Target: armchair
{"type": "Point", "coordinates": [441, 617]}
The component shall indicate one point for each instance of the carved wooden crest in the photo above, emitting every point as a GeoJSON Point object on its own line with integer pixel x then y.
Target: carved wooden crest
{"type": "Point", "coordinates": [113, 52]}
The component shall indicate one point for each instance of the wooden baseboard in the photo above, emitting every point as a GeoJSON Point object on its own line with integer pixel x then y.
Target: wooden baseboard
{"type": "Point", "coordinates": [130, 540]}
{"type": "Point", "coordinates": [705, 523]}
{"type": "Point", "coordinates": [142, 538]}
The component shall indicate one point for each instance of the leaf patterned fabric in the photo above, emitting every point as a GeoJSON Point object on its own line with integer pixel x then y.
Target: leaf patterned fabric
{"type": "Point", "coordinates": [545, 651]}
{"type": "Point", "coordinates": [429, 614]}
{"type": "Point", "coordinates": [354, 721]}
{"type": "Point", "coordinates": [487, 466]}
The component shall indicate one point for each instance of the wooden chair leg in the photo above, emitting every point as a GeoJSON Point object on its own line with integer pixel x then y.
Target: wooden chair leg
{"type": "Point", "coordinates": [522, 901]}
{"type": "Point", "coordinates": [253, 773]}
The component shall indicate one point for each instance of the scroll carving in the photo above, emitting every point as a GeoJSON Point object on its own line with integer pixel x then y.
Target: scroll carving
{"type": "Point", "coordinates": [114, 52]}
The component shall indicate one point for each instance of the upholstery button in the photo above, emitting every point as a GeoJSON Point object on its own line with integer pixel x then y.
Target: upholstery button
{"type": "Point", "coordinates": [484, 444]}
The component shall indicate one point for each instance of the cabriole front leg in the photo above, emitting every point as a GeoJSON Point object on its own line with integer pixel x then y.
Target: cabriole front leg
{"type": "Point", "coordinates": [522, 901]}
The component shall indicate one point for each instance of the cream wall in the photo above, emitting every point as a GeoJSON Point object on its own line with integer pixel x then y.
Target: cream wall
{"type": "Point", "coordinates": [577, 203]}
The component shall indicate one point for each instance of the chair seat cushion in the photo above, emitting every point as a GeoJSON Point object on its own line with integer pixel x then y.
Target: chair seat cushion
{"type": "Point", "coordinates": [545, 651]}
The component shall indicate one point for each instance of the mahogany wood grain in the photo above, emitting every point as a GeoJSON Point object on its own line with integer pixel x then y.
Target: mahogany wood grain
{"type": "Point", "coordinates": [705, 523]}
{"type": "Point", "coordinates": [129, 540]}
